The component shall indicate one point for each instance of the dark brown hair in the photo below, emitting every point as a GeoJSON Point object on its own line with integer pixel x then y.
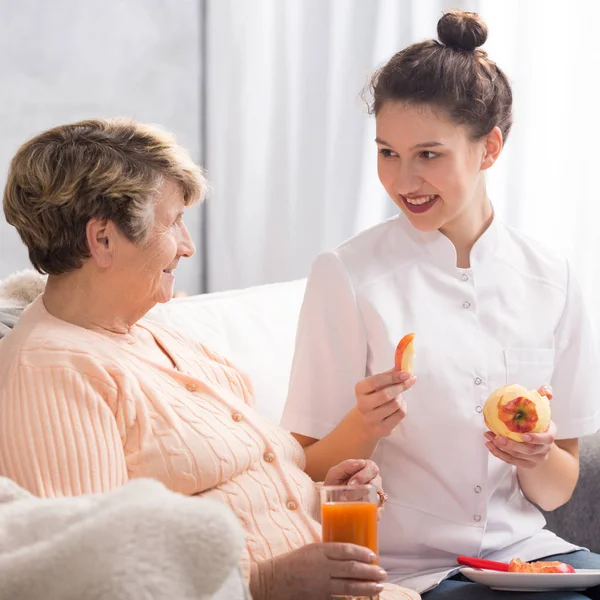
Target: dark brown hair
{"type": "Point", "coordinates": [106, 169]}
{"type": "Point", "coordinates": [453, 75]}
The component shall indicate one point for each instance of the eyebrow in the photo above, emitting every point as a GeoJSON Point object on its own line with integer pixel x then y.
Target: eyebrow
{"type": "Point", "coordinates": [423, 145]}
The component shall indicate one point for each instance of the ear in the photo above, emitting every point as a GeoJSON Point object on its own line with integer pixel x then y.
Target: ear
{"type": "Point", "coordinates": [101, 238]}
{"type": "Point", "coordinates": [493, 144]}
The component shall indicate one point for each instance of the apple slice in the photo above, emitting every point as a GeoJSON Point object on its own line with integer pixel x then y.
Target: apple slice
{"type": "Point", "coordinates": [512, 410]}
{"type": "Point", "coordinates": [405, 354]}
{"type": "Point", "coordinates": [518, 566]}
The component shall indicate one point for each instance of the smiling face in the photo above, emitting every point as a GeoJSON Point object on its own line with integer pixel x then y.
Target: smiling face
{"type": "Point", "coordinates": [145, 271]}
{"type": "Point", "coordinates": [430, 166]}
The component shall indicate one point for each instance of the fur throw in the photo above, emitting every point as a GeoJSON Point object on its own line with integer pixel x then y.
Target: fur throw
{"type": "Point", "coordinates": [16, 292]}
{"type": "Point", "coordinates": [139, 541]}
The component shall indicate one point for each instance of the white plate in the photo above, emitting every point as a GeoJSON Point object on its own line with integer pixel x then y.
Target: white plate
{"type": "Point", "coordinates": [534, 582]}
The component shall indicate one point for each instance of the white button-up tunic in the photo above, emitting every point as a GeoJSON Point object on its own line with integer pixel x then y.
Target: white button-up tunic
{"type": "Point", "coordinates": [515, 316]}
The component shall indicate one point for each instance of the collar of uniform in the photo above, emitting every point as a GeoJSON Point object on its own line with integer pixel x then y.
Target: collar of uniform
{"type": "Point", "coordinates": [442, 249]}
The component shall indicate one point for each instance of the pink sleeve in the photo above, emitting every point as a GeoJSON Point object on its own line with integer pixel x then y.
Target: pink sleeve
{"type": "Point", "coordinates": [58, 435]}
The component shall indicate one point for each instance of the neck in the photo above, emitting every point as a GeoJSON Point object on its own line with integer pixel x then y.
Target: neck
{"type": "Point", "coordinates": [87, 300]}
{"type": "Point", "coordinates": [467, 228]}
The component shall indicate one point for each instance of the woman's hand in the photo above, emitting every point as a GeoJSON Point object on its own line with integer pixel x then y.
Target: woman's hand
{"type": "Point", "coordinates": [532, 451]}
{"type": "Point", "coordinates": [357, 472]}
{"type": "Point", "coordinates": [380, 403]}
{"type": "Point", "coordinates": [318, 571]}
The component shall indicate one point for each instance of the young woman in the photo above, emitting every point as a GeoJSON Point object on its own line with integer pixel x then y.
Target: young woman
{"type": "Point", "coordinates": [488, 306]}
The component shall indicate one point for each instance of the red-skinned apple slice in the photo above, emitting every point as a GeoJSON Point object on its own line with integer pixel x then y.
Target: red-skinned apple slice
{"type": "Point", "coordinates": [518, 566]}
{"type": "Point", "coordinates": [405, 354]}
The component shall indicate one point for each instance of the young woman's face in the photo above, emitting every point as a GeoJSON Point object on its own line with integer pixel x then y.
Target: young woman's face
{"type": "Point", "coordinates": [430, 166]}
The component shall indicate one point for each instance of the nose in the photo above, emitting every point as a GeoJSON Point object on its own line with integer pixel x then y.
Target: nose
{"type": "Point", "coordinates": [407, 180]}
{"type": "Point", "coordinates": [186, 246]}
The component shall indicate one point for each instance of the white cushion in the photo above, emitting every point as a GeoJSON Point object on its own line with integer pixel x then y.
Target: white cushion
{"type": "Point", "coordinates": [255, 328]}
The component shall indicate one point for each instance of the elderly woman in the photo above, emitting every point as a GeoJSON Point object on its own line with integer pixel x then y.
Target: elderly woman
{"type": "Point", "coordinates": [92, 394]}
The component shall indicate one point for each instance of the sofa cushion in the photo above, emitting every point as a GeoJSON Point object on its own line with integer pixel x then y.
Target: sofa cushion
{"type": "Point", "coordinates": [577, 521]}
{"type": "Point", "coordinates": [255, 328]}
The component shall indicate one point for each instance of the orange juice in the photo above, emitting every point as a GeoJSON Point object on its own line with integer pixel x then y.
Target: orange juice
{"type": "Point", "coordinates": [350, 522]}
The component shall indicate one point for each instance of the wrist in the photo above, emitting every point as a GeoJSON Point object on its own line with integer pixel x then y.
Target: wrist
{"type": "Point", "coordinates": [360, 428]}
{"type": "Point", "coordinates": [261, 580]}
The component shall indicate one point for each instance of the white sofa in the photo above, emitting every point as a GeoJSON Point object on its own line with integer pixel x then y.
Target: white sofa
{"type": "Point", "coordinates": [254, 327]}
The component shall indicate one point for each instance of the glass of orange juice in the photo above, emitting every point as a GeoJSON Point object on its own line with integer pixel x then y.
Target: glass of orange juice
{"type": "Point", "coordinates": [349, 515]}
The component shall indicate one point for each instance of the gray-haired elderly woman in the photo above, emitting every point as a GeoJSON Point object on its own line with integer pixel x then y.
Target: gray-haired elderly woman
{"type": "Point", "coordinates": [92, 394]}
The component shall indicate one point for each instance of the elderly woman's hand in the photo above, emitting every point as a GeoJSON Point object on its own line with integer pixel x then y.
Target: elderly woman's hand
{"type": "Point", "coordinates": [357, 472]}
{"type": "Point", "coordinates": [318, 571]}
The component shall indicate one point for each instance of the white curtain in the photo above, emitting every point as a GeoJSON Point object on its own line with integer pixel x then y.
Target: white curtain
{"type": "Point", "coordinates": [290, 148]}
{"type": "Point", "coordinates": [546, 181]}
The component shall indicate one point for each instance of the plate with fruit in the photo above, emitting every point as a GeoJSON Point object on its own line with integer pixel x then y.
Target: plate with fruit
{"type": "Point", "coordinates": [519, 576]}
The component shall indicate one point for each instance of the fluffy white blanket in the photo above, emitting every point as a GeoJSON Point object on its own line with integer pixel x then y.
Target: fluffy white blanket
{"type": "Point", "coordinates": [138, 542]}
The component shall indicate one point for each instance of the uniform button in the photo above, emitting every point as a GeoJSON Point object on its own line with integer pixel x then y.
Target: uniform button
{"type": "Point", "coordinates": [466, 304]}
{"type": "Point", "coordinates": [465, 277]}
{"type": "Point", "coordinates": [479, 409]}
{"type": "Point", "coordinates": [269, 457]}
{"type": "Point", "coordinates": [191, 387]}
{"type": "Point", "coordinates": [477, 489]}
{"type": "Point", "coordinates": [477, 518]}
{"type": "Point", "coordinates": [237, 417]}
{"type": "Point", "coordinates": [291, 505]}
{"type": "Point", "coordinates": [478, 381]}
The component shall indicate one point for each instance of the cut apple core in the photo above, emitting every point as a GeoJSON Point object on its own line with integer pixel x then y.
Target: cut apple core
{"type": "Point", "coordinates": [512, 410]}
{"type": "Point", "coordinates": [519, 415]}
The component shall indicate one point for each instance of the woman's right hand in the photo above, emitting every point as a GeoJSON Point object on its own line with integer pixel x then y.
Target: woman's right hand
{"type": "Point", "coordinates": [320, 571]}
{"type": "Point", "coordinates": [379, 401]}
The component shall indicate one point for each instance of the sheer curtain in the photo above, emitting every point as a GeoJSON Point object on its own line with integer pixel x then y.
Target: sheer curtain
{"type": "Point", "coordinates": [290, 148]}
{"type": "Point", "coordinates": [545, 182]}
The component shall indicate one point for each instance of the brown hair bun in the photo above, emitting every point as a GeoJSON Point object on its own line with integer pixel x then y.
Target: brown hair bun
{"type": "Point", "coordinates": [462, 30]}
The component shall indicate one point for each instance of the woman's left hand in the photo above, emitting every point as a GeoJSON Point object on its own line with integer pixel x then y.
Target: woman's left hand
{"type": "Point", "coordinates": [529, 453]}
{"type": "Point", "coordinates": [357, 472]}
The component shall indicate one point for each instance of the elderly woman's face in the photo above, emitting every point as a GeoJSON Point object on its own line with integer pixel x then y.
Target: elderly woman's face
{"type": "Point", "coordinates": [148, 270]}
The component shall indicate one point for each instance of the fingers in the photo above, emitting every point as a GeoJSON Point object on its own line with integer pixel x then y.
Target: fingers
{"type": "Point", "coordinates": [382, 408]}
{"type": "Point", "coordinates": [380, 381]}
{"type": "Point", "coordinates": [383, 411]}
{"type": "Point", "coordinates": [518, 449]}
{"type": "Point", "coordinates": [340, 551]}
{"type": "Point", "coordinates": [399, 412]}
{"type": "Point", "coordinates": [366, 475]}
{"type": "Point", "coordinates": [520, 454]}
{"type": "Point", "coordinates": [383, 399]}
{"type": "Point", "coordinates": [352, 588]}
{"type": "Point", "coordinates": [352, 569]}
{"type": "Point", "coordinates": [546, 390]}
{"type": "Point", "coordinates": [521, 463]}
{"type": "Point", "coordinates": [546, 438]}
{"type": "Point", "coordinates": [533, 443]}
{"type": "Point", "coordinates": [344, 470]}
{"type": "Point", "coordinates": [377, 483]}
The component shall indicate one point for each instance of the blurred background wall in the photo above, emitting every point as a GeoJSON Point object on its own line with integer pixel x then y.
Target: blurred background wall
{"type": "Point", "coordinates": [66, 60]}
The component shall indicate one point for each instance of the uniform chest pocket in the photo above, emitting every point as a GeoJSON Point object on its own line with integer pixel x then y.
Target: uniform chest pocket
{"type": "Point", "coordinates": [529, 367]}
